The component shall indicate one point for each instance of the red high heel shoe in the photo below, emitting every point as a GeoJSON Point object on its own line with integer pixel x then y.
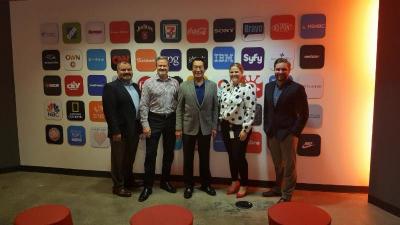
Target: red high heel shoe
{"type": "Point", "coordinates": [233, 188]}
{"type": "Point", "coordinates": [241, 193]}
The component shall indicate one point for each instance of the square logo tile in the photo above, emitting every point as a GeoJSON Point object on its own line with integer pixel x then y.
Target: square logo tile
{"type": "Point", "coordinates": [145, 31]}
{"type": "Point", "coordinates": [98, 137]}
{"type": "Point", "coordinates": [96, 59]}
{"type": "Point", "coordinates": [174, 58]}
{"type": "Point", "coordinates": [258, 115]}
{"type": "Point", "coordinates": [314, 85]}
{"type": "Point", "coordinates": [313, 26]}
{"type": "Point", "coordinates": [49, 33]}
{"type": "Point", "coordinates": [72, 33]}
{"type": "Point", "coordinates": [282, 27]}
{"type": "Point", "coordinates": [145, 59]}
{"type": "Point", "coordinates": [309, 145]}
{"type": "Point", "coordinates": [257, 82]}
{"type": "Point", "coordinates": [118, 55]}
{"type": "Point", "coordinates": [54, 134]}
{"type": "Point", "coordinates": [314, 116]}
{"type": "Point", "coordinates": [280, 52]}
{"type": "Point", "coordinates": [73, 85]}
{"type": "Point", "coordinates": [120, 32]}
{"type": "Point", "coordinates": [224, 30]}
{"type": "Point", "coordinates": [193, 53]}
{"type": "Point", "coordinates": [312, 56]}
{"type": "Point", "coordinates": [253, 29]}
{"type": "Point", "coordinates": [95, 32]}
{"type": "Point", "coordinates": [52, 85]}
{"type": "Point", "coordinates": [96, 84]}
{"type": "Point", "coordinates": [96, 111]}
{"type": "Point", "coordinates": [170, 31]}
{"type": "Point", "coordinates": [72, 59]}
{"type": "Point", "coordinates": [197, 30]}
{"type": "Point", "coordinates": [223, 57]}
{"type": "Point", "coordinates": [255, 143]}
{"type": "Point", "coordinates": [51, 60]}
{"type": "Point", "coordinates": [76, 135]}
{"type": "Point", "coordinates": [75, 110]}
{"type": "Point", "coordinates": [52, 110]}
{"type": "Point", "coordinates": [253, 58]}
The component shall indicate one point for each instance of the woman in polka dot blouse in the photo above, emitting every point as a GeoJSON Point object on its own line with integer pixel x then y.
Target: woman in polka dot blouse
{"type": "Point", "coordinates": [237, 108]}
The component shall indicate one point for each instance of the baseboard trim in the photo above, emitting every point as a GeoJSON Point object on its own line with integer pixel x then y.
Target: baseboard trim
{"type": "Point", "coordinates": [384, 205]}
{"type": "Point", "coordinates": [215, 180]}
{"type": "Point", "coordinates": [9, 169]}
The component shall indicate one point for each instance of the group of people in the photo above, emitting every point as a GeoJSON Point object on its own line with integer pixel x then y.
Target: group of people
{"type": "Point", "coordinates": [191, 111]}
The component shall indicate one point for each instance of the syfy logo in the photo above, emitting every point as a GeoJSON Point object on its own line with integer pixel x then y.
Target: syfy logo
{"type": "Point", "coordinates": [253, 58]}
{"type": "Point", "coordinates": [53, 110]}
{"type": "Point", "coordinates": [223, 57]}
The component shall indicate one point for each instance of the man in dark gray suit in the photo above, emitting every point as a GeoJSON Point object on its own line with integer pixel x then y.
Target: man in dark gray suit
{"type": "Point", "coordinates": [196, 120]}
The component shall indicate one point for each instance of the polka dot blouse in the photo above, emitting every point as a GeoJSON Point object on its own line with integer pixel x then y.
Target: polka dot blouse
{"type": "Point", "coordinates": [238, 104]}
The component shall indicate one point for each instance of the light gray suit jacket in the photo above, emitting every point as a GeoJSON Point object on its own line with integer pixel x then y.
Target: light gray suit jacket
{"type": "Point", "coordinates": [190, 115]}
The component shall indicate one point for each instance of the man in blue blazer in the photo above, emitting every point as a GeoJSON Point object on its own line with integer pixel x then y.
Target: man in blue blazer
{"type": "Point", "coordinates": [285, 115]}
{"type": "Point", "coordinates": [121, 109]}
{"type": "Point", "coordinates": [196, 121]}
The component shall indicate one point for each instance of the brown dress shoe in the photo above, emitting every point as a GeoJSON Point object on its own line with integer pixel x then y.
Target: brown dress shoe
{"type": "Point", "coordinates": [271, 193]}
{"type": "Point", "coordinates": [122, 192]}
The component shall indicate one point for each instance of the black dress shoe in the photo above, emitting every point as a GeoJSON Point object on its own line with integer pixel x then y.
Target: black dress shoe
{"type": "Point", "coordinates": [122, 192]}
{"type": "Point", "coordinates": [188, 192]}
{"type": "Point", "coordinates": [208, 189]}
{"type": "Point", "coordinates": [145, 194]}
{"type": "Point", "coordinates": [271, 193]}
{"type": "Point", "coordinates": [283, 200]}
{"type": "Point", "coordinates": [168, 187]}
{"type": "Point", "coordinates": [132, 185]}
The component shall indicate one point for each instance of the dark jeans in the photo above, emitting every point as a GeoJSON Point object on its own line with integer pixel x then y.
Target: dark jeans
{"type": "Point", "coordinates": [160, 125]}
{"type": "Point", "coordinates": [237, 151]}
{"type": "Point", "coordinates": [122, 158]}
{"type": "Point", "coordinates": [203, 143]}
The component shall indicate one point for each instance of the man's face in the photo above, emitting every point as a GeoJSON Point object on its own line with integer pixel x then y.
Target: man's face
{"type": "Point", "coordinates": [124, 71]}
{"type": "Point", "coordinates": [198, 69]}
{"type": "Point", "coordinates": [162, 67]}
{"type": "Point", "coordinates": [282, 71]}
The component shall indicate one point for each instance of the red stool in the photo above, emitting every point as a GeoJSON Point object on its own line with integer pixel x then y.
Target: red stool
{"type": "Point", "coordinates": [162, 215]}
{"type": "Point", "coordinates": [45, 214]}
{"type": "Point", "coordinates": [297, 213]}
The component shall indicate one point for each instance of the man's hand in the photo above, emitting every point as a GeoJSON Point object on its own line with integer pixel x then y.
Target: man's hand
{"type": "Point", "coordinates": [178, 134]}
{"type": "Point", "coordinates": [147, 132]}
{"type": "Point", "coordinates": [242, 135]}
{"type": "Point", "coordinates": [213, 133]}
{"type": "Point", "coordinates": [116, 137]}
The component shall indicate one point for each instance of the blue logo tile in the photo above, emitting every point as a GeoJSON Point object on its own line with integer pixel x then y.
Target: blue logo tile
{"type": "Point", "coordinates": [96, 59]}
{"type": "Point", "coordinates": [223, 57]}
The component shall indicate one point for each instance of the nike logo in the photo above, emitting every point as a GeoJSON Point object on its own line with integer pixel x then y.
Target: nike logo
{"type": "Point", "coordinates": [307, 144]}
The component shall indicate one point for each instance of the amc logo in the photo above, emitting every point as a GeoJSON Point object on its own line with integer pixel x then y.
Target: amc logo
{"type": "Point", "coordinates": [197, 31]}
{"type": "Point", "coordinates": [255, 143]}
{"type": "Point", "coordinates": [118, 55]}
{"type": "Point", "coordinates": [309, 145]}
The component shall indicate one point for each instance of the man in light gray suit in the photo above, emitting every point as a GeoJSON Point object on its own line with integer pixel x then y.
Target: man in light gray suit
{"type": "Point", "coordinates": [196, 120]}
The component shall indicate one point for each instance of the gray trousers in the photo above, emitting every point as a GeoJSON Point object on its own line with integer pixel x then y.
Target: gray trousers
{"type": "Point", "coordinates": [284, 158]}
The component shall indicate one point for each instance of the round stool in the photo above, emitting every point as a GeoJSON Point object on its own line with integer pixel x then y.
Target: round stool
{"type": "Point", "coordinates": [162, 215]}
{"type": "Point", "coordinates": [297, 213]}
{"type": "Point", "coordinates": [45, 214]}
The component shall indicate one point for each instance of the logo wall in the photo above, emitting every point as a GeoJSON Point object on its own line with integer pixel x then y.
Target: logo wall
{"type": "Point", "coordinates": [53, 110]}
{"type": "Point", "coordinates": [98, 137]}
{"type": "Point", "coordinates": [96, 113]}
{"type": "Point", "coordinates": [174, 58]}
{"type": "Point", "coordinates": [197, 30]}
{"type": "Point", "coordinates": [118, 55]}
{"type": "Point", "coordinates": [72, 59]}
{"type": "Point", "coordinates": [313, 84]}
{"type": "Point", "coordinates": [253, 29]}
{"type": "Point", "coordinates": [52, 85]}
{"type": "Point", "coordinates": [95, 32]}
{"type": "Point", "coordinates": [51, 60]}
{"type": "Point", "coordinates": [224, 30]}
{"type": "Point", "coordinates": [71, 33]}
{"type": "Point", "coordinates": [145, 31]}
{"type": "Point", "coordinates": [253, 58]}
{"type": "Point", "coordinates": [54, 134]}
{"type": "Point", "coordinates": [309, 145]}
{"type": "Point", "coordinates": [49, 33]}
{"type": "Point", "coordinates": [96, 59]}
{"type": "Point", "coordinates": [120, 32]}
{"type": "Point", "coordinates": [76, 135]}
{"type": "Point", "coordinates": [170, 31]}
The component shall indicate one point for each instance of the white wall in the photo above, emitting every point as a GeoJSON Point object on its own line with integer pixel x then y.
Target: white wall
{"type": "Point", "coordinates": [348, 76]}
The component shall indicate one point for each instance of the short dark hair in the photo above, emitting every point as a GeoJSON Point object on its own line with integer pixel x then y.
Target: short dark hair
{"type": "Point", "coordinates": [282, 60]}
{"type": "Point", "coordinates": [199, 59]}
{"type": "Point", "coordinates": [123, 62]}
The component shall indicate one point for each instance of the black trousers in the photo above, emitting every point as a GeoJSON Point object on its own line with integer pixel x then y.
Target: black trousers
{"type": "Point", "coordinates": [160, 125]}
{"type": "Point", "coordinates": [236, 151]}
{"type": "Point", "coordinates": [123, 155]}
{"type": "Point", "coordinates": [203, 143]}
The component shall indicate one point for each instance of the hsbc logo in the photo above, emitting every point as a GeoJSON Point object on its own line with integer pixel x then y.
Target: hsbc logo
{"type": "Point", "coordinates": [253, 58]}
{"type": "Point", "coordinates": [313, 26]}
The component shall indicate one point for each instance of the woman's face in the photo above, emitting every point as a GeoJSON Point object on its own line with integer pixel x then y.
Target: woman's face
{"type": "Point", "coordinates": [236, 75]}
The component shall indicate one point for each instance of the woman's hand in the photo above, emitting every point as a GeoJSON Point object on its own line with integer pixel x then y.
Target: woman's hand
{"type": "Point", "coordinates": [242, 135]}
